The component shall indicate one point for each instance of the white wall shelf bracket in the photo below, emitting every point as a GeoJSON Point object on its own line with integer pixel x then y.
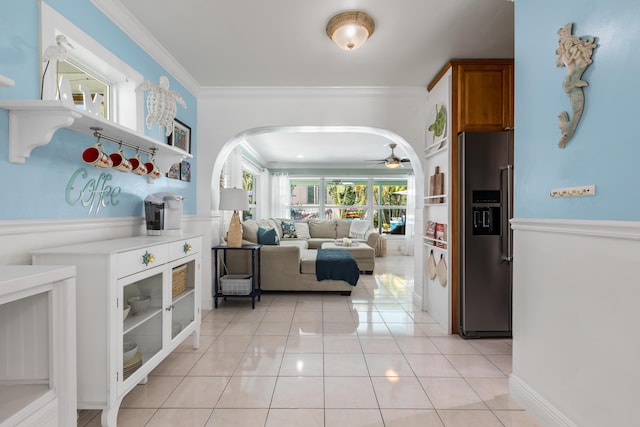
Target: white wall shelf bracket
{"type": "Point", "coordinates": [584, 190]}
{"type": "Point", "coordinates": [31, 129]}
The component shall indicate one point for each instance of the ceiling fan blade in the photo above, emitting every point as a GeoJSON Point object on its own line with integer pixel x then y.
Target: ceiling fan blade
{"type": "Point", "coordinates": [405, 160]}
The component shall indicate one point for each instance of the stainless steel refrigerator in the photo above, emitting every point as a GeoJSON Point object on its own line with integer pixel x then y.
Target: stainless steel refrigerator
{"type": "Point", "coordinates": [486, 206]}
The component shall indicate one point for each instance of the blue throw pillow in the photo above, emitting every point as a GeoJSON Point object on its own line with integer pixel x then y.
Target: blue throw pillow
{"type": "Point", "coordinates": [268, 236]}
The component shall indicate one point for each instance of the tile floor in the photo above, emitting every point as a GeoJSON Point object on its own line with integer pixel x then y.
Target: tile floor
{"type": "Point", "coordinates": [372, 359]}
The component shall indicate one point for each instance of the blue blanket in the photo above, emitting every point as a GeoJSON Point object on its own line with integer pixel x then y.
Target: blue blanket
{"type": "Point", "coordinates": [337, 264]}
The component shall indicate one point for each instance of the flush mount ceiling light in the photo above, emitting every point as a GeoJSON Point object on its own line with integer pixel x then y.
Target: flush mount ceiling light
{"type": "Point", "coordinates": [349, 30]}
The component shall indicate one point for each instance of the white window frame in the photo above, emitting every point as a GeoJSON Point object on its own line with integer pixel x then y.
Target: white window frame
{"type": "Point", "coordinates": [127, 104]}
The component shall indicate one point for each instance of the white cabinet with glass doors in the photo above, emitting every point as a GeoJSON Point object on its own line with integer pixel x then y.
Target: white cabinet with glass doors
{"type": "Point", "coordinates": [38, 346]}
{"type": "Point", "coordinates": [138, 299]}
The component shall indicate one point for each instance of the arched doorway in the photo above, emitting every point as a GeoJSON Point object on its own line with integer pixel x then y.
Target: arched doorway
{"type": "Point", "coordinates": [414, 214]}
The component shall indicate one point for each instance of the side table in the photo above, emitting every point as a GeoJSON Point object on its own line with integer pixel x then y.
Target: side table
{"type": "Point", "coordinates": [255, 273]}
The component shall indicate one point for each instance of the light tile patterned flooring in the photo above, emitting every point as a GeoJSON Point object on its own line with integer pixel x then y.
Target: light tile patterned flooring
{"type": "Point", "coordinates": [312, 360]}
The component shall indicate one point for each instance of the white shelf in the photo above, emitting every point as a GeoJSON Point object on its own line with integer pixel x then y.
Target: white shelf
{"type": "Point", "coordinates": [32, 124]}
{"type": "Point", "coordinates": [427, 200]}
{"type": "Point", "coordinates": [135, 320]}
{"type": "Point", "coordinates": [183, 295]}
{"type": "Point", "coordinates": [433, 153]}
{"type": "Point", "coordinates": [19, 399]}
{"type": "Point", "coordinates": [436, 143]}
{"type": "Point", "coordinates": [430, 241]}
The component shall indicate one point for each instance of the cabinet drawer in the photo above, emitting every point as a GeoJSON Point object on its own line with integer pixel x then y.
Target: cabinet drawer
{"type": "Point", "coordinates": [182, 248]}
{"type": "Point", "coordinates": [141, 259]}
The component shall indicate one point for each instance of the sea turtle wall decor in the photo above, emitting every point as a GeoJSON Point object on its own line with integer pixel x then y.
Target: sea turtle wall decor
{"type": "Point", "coordinates": [161, 104]}
{"type": "Point", "coordinates": [575, 54]}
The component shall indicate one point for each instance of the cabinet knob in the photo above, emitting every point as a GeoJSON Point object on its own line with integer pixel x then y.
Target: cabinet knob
{"type": "Point", "coordinates": [186, 248]}
{"type": "Point", "coordinates": [148, 258]}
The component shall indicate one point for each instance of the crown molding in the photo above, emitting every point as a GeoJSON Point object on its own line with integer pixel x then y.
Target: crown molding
{"type": "Point", "coordinates": [307, 91]}
{"type": "Point", "coordinates": [119, 15]}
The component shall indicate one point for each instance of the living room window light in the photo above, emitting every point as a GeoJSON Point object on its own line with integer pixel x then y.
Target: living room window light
{"type": "Point", "coordinates": [384, 201]}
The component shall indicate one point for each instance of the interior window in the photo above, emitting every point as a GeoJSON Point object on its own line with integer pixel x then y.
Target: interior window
{"type": "Point", "coordinates": [78, 77]}
{"type": "Point", "coordinates": [97, 68]}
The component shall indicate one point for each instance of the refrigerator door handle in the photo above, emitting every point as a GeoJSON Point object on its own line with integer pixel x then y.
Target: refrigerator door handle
{"type": "Point", "coordinates": [509, 254]}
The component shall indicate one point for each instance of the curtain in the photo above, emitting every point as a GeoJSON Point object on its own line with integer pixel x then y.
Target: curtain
{"type": "Point", "coordinates": [280, 197]}
{"type": "Point", "coordinates": [410, 222]}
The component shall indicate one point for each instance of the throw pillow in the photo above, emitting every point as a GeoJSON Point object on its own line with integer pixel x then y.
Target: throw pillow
{"type": "Point", "coordinates": [302, 230]}
{"type": "Point", "coordinates": [288, 229]}
{"type": "Point", "coordinates": [268, 236]}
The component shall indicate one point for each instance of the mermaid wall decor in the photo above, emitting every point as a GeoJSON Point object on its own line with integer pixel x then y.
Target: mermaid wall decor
{"type": "Point", "coordinates": [575, 54]}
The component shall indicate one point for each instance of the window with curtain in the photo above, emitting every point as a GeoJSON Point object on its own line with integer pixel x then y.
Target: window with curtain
{"type": "Point", "coordinates": [249, 184]}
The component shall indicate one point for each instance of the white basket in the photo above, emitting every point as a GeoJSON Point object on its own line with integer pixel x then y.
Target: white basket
{"type": "Point", "coordinates": [235, 284]}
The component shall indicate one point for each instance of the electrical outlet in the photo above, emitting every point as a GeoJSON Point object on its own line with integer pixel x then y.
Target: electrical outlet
{"type": "Point", "coordinates": [584, 190]}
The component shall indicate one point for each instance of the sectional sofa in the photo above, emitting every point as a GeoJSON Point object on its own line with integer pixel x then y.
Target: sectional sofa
{"type": "Point", "coordinates": [291, 264]}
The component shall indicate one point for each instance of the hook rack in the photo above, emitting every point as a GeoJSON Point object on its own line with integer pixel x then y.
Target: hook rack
{"type": "Point", "coordinates": [99, 135]}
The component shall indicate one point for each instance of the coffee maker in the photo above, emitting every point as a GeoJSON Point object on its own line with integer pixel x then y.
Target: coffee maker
{"type": "Point", "coordinates": [163, 213]}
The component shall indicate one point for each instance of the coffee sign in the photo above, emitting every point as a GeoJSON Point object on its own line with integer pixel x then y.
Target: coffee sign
{"type": "Point", "coordinates": [92, 193]}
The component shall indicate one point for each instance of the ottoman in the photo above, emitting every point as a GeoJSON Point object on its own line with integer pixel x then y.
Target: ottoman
{"type": "Point", "coordinates": [362, 253]}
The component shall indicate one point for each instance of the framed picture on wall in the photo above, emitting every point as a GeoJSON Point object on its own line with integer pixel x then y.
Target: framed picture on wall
{"type": "Point", "coordinates": [174, 171]}
{"type": "Point", "coordinates": [181, 136]}
{"type": "Point", "coordinates": [185, 171]}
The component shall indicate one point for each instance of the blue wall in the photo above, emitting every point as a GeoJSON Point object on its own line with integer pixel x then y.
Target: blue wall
{"type": "Point", "coordinates": [36, 189]}
{"type": "Point", "coordinates": [605, 150]}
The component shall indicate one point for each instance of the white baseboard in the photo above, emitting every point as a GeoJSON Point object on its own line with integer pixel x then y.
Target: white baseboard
{"type": "Point", "coordinates": [547, 414]}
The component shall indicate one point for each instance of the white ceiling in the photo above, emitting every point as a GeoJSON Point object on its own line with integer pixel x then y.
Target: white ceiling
{"type": "Point", "coordinates": [270, 43]}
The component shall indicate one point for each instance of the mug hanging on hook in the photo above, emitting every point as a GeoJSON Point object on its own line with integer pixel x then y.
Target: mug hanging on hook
{"type": "Point", "coordinates": [152, 170]}
{"type": "Point", "coordinates": [119, 160]}
{"type": "Point", "coordinates": [96, 156]}
{"type": "Point", "coordinates": [137, 164]}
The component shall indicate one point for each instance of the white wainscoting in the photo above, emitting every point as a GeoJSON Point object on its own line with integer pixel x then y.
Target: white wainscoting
{"type": "Point", "coordinates": [20, 237]}
{"type": "Point", "coordinates": [576, 355]}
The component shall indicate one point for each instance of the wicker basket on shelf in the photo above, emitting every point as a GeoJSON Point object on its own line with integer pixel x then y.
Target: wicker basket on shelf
{"type": "Point", "coordinates": [179, 281]}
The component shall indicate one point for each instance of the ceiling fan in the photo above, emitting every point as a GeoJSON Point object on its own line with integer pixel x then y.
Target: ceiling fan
{"type": "Point", "coordinates": [392, 161]}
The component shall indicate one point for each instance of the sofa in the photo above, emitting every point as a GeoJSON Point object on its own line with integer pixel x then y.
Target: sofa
{"type": "Point", "coordinates": [291, 264]}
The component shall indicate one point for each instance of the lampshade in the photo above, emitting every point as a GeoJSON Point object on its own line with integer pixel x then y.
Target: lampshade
{"type": "Point", "coordinates": [349, 30]}
{"type": "Point", "coordinates": [234, 199]}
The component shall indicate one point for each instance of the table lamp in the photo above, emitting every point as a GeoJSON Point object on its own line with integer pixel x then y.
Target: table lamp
{"type": "Point", "coordinates": [234, 199]}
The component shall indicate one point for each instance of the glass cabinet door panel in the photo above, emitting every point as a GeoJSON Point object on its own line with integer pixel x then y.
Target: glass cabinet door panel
{"type": "Point", "coordinates": [183, 296]}
{"type": "Point", "coordinates": [142, 319]}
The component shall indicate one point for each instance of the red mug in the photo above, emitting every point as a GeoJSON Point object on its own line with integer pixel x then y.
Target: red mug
{"type": "Point", "coordinates": [152, 170]}
{"type": "Point", "coordinates": [137, 165]}
{"type": "Point", "coordinates": [95, 156]}
{"type": "Point", "coordinates": [120, 162]}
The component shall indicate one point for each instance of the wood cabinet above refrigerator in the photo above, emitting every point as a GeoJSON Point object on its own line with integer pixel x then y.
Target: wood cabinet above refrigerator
{"type": "Point", "coordinates": [482, 94]}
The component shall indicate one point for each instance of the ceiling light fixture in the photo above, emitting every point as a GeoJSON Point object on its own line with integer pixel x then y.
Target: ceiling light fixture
{"type": "Point", "coordinates": [392, 162]}
{"type": "Point", "coordinates": [349, 30]}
